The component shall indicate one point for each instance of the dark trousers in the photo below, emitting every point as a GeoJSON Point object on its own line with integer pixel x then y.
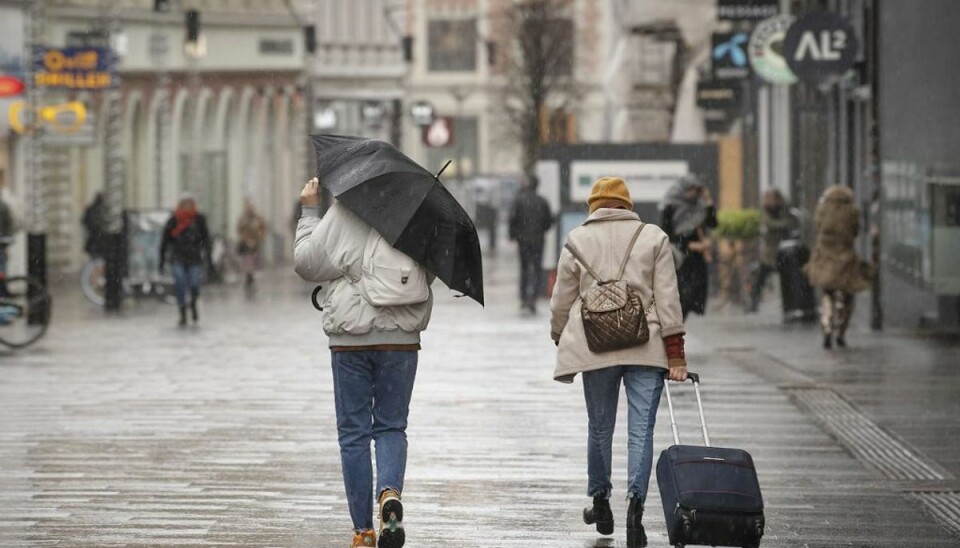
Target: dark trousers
{"type": "Point", "coordinates": [760, 278]}
{"type": "Point", "coordinates": [531, 271]}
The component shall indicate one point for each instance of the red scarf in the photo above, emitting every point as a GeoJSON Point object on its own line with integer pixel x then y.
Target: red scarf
{"type": "Point", "coordinates": [185, 217]}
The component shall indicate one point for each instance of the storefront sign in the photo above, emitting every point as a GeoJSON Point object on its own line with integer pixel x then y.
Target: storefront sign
{"type": "Point", "coordinates": [272, 46]}
{"type": "Point", "coordinates": [439, 133]}
{"type": "Point", "coordinates": [74, 68]}
{"type": "Point", "coordinates": [62, 118]}
{"type": "Point", "coordinates": [820, 45]}
{"type": "Point", "coordinates": [648, 180]}
{"type": "Point", "coordinates": [747, 10]}
{"type": "Point", "coordinates": [766, 50]}
{"type": "Point", "coordinates": [10, 86]}
{"type": "Point", "coordinates": [421, 112]}
{"type": "Point", "coordinates": [719, 95]}
{"type": "Point", "coordinates": [729, 56]}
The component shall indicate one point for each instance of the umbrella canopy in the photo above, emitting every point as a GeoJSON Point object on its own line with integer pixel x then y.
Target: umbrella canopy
{"type": "Point", "coordinates": [406, 204]}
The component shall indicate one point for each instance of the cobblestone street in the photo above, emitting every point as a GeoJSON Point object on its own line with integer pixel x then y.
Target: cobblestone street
{"type": "Point", "coordinates": [130, 431]}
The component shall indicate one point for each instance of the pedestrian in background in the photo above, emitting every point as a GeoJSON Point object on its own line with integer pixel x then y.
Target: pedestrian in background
{"type": "Point", "coordinates": [95, 226]}
{"type": "Point", "coordinates": [251, 231]}
{"type": "Point", "coordinates": [374, 354]}
{"type": "Point", "coordinates": [188, 241]}
{"type": "Point", "coordinates": [834, 266]}
{"type": "Point", "coordinates": [776, 226]}
{"type": "Point", "coordinates": [687, 214]}
{"type": "Point", "coordinates": [530, 219]}
{"type": "Point", "coordinates": [613, 235]}
{"type": "Point", "coordinates": [8, 226]}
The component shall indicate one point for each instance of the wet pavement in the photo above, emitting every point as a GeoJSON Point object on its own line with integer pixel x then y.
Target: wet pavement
{"type": "Point", "coordinates": [130, 431]}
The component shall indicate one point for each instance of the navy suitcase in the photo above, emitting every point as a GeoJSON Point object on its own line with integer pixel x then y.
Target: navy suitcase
{"type": "Point", "coordinates": [710, 495]}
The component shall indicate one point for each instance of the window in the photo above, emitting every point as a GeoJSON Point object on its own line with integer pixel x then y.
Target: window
{"type": "Point", "coordinates": [452, 45]}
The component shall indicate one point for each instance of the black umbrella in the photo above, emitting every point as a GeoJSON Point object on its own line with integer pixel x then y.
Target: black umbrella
{"type": "Point", "coordinates": [406, 204]}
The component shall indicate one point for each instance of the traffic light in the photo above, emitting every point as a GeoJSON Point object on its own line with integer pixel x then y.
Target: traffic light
{"type": "Point", "coordinates": [193, 26]}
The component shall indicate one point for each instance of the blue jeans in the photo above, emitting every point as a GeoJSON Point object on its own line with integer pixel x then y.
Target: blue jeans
{"type": "Point", "coordinates": [187, 276]}
{"type": "Point", "coordinates": [601, 389]}
{"type": "Point", "coordinates": [372, 393]}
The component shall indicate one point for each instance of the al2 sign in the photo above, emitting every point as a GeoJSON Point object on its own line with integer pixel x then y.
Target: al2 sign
{"type": "Point", "coordinates": [820, 45]}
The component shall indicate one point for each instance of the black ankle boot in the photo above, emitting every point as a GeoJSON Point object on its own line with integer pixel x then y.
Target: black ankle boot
{"type": "Point", "coordinates": [193, 309]}
{"type": "Point", "coordinates": [636, 536]}
{"type": "Point", "coordinates": [183, 316]}
{"type": "Point", "coordinates": [600, 514]}
{"type": "Point", "coordinates": [841, 341]}
{"type": "Point", "coordinates": [828, 341]}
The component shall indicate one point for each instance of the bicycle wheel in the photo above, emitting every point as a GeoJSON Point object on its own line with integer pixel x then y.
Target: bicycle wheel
{"type": "Point", "coordinates": [25, 310]}
{"type": "Point", "coordinates": [93, 281]}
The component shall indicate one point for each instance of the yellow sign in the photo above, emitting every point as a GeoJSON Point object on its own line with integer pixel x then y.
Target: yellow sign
{"type": "Point", "coordinates": [74, 68]}
{"type": "Point", "coordinates": [63, 118]}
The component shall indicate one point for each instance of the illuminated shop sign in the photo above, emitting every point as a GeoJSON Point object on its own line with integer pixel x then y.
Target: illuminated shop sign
{"type": "Point", "coordinates": [74, 68]}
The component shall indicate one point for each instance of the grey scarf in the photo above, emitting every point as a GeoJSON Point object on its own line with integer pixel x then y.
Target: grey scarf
{"type": "Point", "coordinates": [688, 216]}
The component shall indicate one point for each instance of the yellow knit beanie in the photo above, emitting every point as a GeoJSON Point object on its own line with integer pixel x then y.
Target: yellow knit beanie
{"type": "Point", "coordinates": [609, 189]}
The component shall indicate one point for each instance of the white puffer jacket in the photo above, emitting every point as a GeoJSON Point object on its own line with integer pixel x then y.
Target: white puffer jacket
{"type": "Point", "coordinates": [329, 251]}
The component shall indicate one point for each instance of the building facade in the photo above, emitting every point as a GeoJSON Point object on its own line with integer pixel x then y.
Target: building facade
{"type": "Point", "coordinates": [225, 122]}
{"type": "Point", "coordinates": [459, 50]}
{"type": "Point", "coordinates": [358, 70]}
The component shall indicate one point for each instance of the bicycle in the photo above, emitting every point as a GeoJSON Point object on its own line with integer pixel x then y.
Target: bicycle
{"type": "Point", "coordinates": [25, 310]}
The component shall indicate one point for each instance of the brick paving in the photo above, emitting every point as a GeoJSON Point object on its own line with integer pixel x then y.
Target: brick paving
{"type": "Point", "coordinates": [131, 432]}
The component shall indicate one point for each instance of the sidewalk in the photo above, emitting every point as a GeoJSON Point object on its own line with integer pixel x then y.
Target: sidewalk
{"type": "Point", "coordinates": [133, 432]}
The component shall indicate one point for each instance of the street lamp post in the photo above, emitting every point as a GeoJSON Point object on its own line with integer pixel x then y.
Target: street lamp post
{"type": "Point", "coordinates": [33, 153]}
{"type": "Point", "coordinates": [114, 186]}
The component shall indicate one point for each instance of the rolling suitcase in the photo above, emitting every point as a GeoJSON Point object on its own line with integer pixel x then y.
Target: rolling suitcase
{"type": "Point", "coordinates": [797, 295]}
{"type": "Point", "coordinates": [710, 495]}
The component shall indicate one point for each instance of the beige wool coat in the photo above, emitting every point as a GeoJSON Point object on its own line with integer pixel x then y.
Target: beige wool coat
{"type": "Point", "coordinates": [834, 263]}
{"type": "Point", "coordinates": [602, 241]}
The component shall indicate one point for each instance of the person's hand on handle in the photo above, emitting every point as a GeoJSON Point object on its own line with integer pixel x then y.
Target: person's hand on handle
{"type": "Point", "coordinates": [310, 195]}
{"type": "Point", "coordinates": [677, 370]}
{"type": "Point", "coordinates": [678, 373]}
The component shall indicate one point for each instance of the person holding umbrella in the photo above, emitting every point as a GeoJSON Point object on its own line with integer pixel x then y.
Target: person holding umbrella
{"type": "Point", "coordinates": [686, 215]}
{"type": "Point", "coordinates": [391, 229]}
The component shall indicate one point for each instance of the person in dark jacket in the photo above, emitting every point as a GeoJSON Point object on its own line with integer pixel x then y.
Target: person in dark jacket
{"type": "Point", "coordinates": [188, 242]}
{"type": "Point", "coordinates": [530, 219]}
{"type": "Point", "coordinates": [95, 226]}
{"type": "Point", "coordinates": [777, 225]}
{"type": "Point", "coordinates": [686, 215]}
{"type": "Point", "coordinates": [8, 226]}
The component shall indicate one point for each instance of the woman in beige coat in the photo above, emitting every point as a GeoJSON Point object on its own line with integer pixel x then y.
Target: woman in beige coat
{"type": "Point", "coordinates": [602, 241]}
{"type": "Point", "coordinates": [834, 265]}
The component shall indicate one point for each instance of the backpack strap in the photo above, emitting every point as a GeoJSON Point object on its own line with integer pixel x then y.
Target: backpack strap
{"type": "Point", "coordinates": [579, 258]}
{"type": "Point", "coordinates": [626, 256]}
{"type": "Point", "coordinates": [623, 264]}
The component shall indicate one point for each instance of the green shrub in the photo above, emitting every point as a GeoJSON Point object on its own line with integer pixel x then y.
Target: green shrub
{"type": "Point", "coordinates": [738, 224]}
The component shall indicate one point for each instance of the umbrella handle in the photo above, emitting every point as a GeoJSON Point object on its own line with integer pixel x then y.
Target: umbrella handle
{"type": "Point", "coordinates": [313, 298]}
{"type": "Point", "coordinates": [442, 169]}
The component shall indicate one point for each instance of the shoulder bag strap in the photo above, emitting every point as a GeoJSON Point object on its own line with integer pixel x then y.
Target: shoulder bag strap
{"type": "Point", "coordinates": [579, 258]}
{"type": "Point", "coordinates": [626, 256]}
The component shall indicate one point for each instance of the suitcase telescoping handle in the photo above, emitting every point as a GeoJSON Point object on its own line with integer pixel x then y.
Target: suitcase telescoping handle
{"type": "Point", "coordinates": [673, 420]}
